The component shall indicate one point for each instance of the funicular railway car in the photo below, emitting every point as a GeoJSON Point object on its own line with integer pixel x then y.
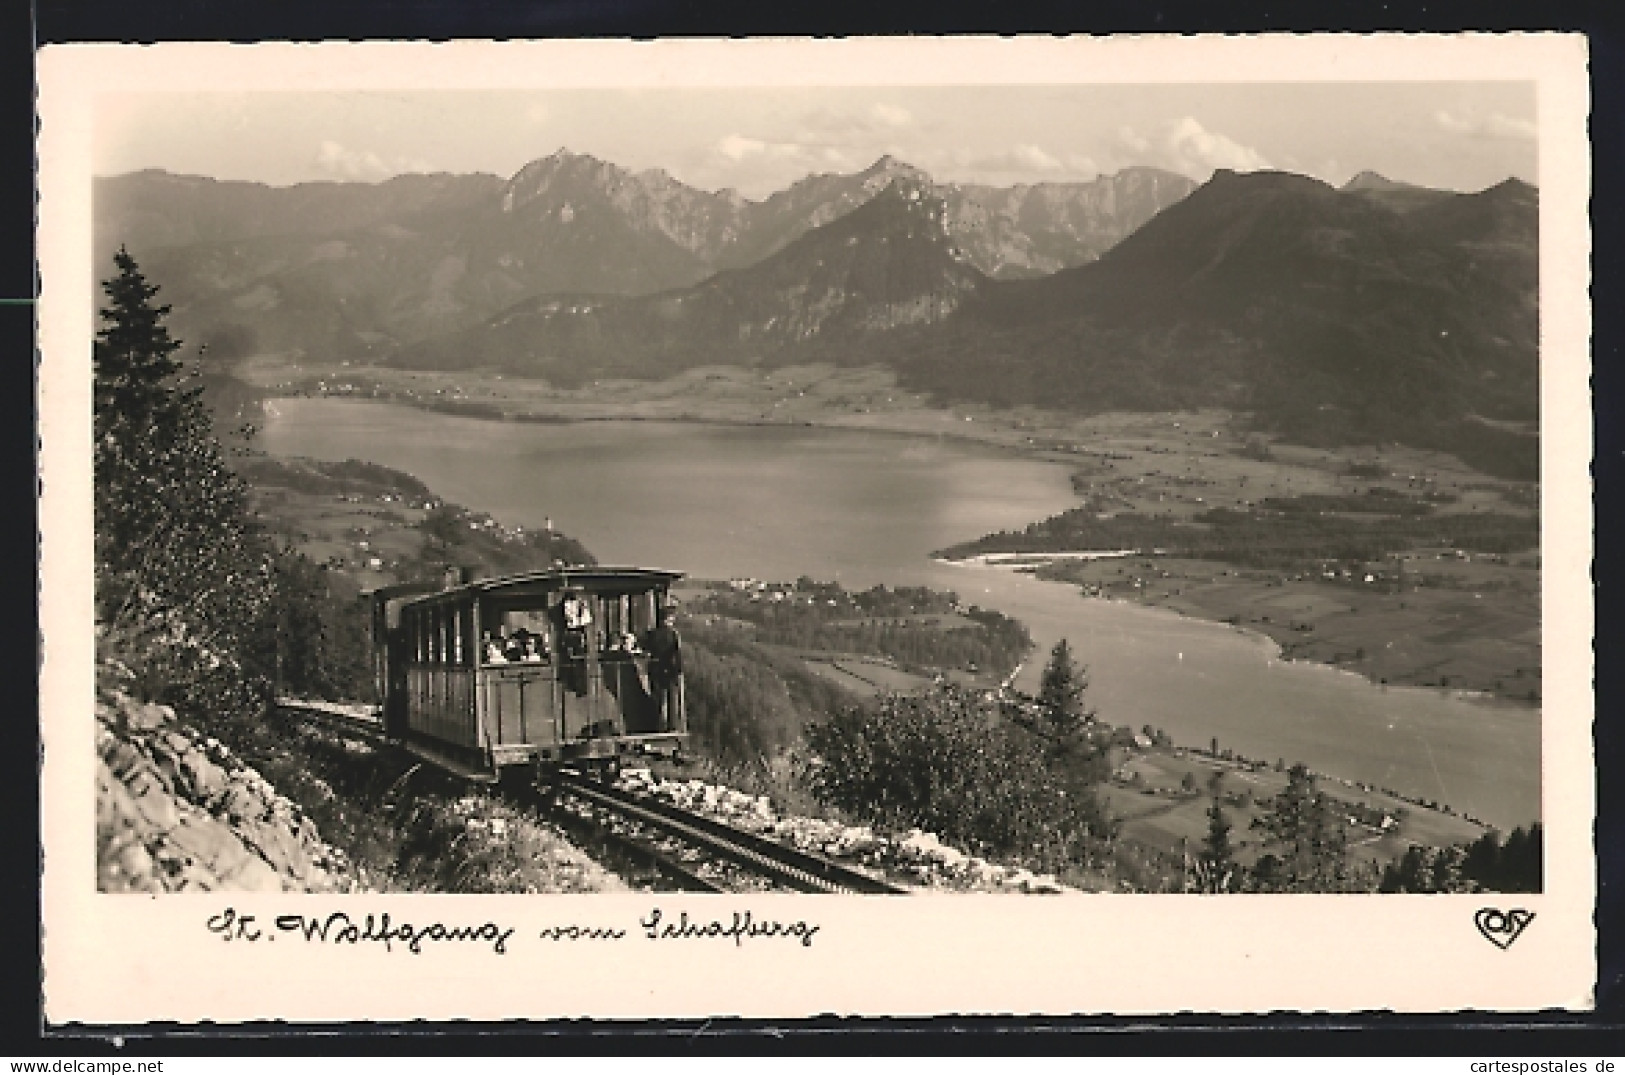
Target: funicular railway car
{"type": "Point", "coordinates": [506, 675]}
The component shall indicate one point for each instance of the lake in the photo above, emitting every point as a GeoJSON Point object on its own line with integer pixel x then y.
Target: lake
{"type": "Point", "coordinates": [777, 502]}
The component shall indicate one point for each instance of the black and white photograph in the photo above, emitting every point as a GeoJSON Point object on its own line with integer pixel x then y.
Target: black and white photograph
{"type": "Point", "coordinates": [1112, 471]}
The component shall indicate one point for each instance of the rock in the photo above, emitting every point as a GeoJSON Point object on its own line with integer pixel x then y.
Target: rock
{"type": "Point", "coordinates": [153, 803]}
{"type": "Point", "coordinates": [279, 847]}
{"type": "Point", "coordinates": [241, 804]}
{"type": "Point", "coordinates": [134, 861]}
{"type": "Point", "coordinates": [253, 875]}
{"type": "Point", "coordinates": [211, 844]}
{"type": "Point", "coordinates": [202, 779]}
{"type": "Point", "coordinates": [149, 717]}
{"type": "Point", "coordinates": [122, 758]}
{"type": "Point", "coordinates": [177, 811]}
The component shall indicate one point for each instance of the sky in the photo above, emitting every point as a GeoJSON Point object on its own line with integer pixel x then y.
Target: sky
{"type": "Point", "coordinates": [1452, 135]}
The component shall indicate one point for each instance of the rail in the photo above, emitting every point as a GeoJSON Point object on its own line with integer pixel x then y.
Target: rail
{"type": "Point", "coordinates": [342, 718]}
{"type": "Point", "coordinates": [785, 865]}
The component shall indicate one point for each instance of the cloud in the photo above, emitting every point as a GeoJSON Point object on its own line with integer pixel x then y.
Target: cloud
{"type": "Point", "coordinates": [338, 160]}
{"type": "Point", "coordinates": [1494, 125]}
{"type": "Point", "coordinates": [1196, 148]}
{"type": "Point", "coordinates": [1133, 139]}
{"type": "Point", "coordinates": [1184, 145]}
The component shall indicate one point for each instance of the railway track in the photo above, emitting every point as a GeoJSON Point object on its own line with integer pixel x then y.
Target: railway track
{"type": "Point", "coordinates": [334, 717]}
{"type": "Point", "coordinates": [685, 850]}
{"type": "Point", "coordinates": [783, 866]}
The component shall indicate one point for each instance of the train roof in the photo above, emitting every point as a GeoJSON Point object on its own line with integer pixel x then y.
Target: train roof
{"type": "Point", "coordinates": [534, 582]}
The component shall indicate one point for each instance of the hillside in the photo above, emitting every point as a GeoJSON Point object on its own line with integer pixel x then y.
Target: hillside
{"type": "Point", "coordinates": [374, 526]}
{"type": "Point", "coordinates": [1392, 193]}
{"type": "Point", "coordinates": [1329, 316]}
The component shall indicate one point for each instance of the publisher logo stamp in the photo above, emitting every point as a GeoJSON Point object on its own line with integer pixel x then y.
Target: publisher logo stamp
{"type": "Point", "coordinates": [1501, 928]}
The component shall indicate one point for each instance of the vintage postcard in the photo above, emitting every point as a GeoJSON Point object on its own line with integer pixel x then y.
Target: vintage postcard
{"type": "Point", "coordinates": [781, 527]}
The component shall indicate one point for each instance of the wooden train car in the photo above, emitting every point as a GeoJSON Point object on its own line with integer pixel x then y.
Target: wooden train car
{"type": "Point", "coordinates": [570, 665]}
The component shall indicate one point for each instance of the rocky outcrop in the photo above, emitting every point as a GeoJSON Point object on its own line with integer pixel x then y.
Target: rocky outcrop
{"type": "Point", "coordinates": [176, 811]}
{"type": "Point", "coordinates": [1031, 230]}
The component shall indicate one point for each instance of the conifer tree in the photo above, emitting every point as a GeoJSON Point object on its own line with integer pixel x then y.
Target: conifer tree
{"type": "Point", "coordinates": [134, 357]}
{"type": "Point", "coordinates": [182, 577]}
{"type": "Point", "coordinates": [1060, 693]}
{"type": "Point", "coordinates": [1303, 829]}
{"type": "Point", "coordinates": [1216, 865]}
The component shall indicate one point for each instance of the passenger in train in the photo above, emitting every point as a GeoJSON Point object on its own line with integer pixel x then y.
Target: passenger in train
{"type": "Point", "coordinates": [533, 649]}
{"type": "Point", "coordinates": [494, 648]}
{"type": "Point", "coordinates": [577, 615]}
{"type": "Point", "coordinates": [577, 618]}
{"type": "Point", "coordinates": [574, 617]}
{"type": "Point", "coordinates": [665, 664]}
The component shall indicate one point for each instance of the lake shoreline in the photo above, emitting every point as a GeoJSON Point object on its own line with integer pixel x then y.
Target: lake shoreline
{"type": "Point", "coordinates": [1028, 566]}
{"type": "Point", "coordinates": [992, 431]}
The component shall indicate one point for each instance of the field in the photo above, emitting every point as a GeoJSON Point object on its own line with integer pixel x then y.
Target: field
{"type": "Point", "coordinates": [864, 675]}
{"type": "Point", "coordinates": [1157, 811]}
{"type": "Point", "coordinates": [1453, 623]}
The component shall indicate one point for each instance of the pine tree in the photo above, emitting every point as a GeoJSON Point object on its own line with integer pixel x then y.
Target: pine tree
{"type": "Point", "coordinates": [1060, 693]}
{"type": "Point", "coordinates": [1216, 865]}
{"type": "Point", "coordinates": [182, 577]}
{"type": "Point", "coordinates": [1302, 827]}
{"type": "Point", "coordinates": [133, 356]}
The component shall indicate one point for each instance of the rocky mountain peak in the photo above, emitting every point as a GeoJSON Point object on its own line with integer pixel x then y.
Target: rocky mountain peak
{"type": "Point", "coordinates": [888, 168]}
{"type": "Point", "coordinates": [1369, 180]}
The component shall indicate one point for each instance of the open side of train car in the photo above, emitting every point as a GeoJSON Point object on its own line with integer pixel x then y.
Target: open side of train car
{"type": "Point", "coordinates": [566, 665]}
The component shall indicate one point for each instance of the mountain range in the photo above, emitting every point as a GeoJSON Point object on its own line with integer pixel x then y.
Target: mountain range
{"type": "Point", "coordinates": [891, 262]}
{"type": "Point", "coordinates": [357, 269]}
{"type": "Point", "coordinates": [1366, 313]}
{"type": "Point", "coordinates": [1375, 311]}
{"type": "Point", "coordinates": [1326, 313]}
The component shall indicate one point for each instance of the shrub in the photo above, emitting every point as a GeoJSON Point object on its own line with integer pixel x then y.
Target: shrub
{"type": "Point", "coordinates": [950, 764]}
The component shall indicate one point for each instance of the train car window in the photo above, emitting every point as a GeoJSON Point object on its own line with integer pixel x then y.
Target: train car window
{"type": "Point", "coordinates": [643, 613]}
{"type": "Point", "coordinates": [456, 625]}
{"type": "Point", "coordinates": [612, 617]}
